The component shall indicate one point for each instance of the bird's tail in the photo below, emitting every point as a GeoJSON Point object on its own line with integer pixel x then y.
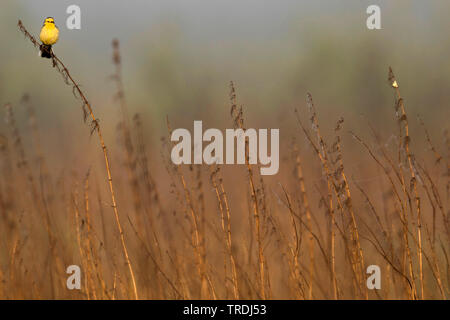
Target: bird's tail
{"type": "Point", "coordinates": [45, 51]}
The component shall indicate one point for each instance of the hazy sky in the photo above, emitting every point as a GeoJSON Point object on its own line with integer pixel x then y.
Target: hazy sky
{"type": "Point", "coordinates": [214, 19]}
{"type": "Point", "coordinates": [253, 41]}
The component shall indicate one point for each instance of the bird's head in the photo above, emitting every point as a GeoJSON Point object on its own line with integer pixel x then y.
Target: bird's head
{"type": "Point", "coordinates": [49, 21]}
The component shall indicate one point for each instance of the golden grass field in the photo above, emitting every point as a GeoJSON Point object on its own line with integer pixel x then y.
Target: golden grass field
{"type": "Point", "coordinates": [142, 228]}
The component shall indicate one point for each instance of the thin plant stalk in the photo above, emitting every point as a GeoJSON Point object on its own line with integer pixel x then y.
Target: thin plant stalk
{"type": "Point", "coordinates": [95, 127]}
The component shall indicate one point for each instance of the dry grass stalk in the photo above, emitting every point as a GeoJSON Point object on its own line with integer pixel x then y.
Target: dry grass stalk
{"type": "Point", "coordinates": [403, 119]}
{"type": "Point", "coordinates": [225, 215]}
{"type": "Point", "coordinates": [237, 116]}
{"type": "Point", "coordinates": [197, 238]}
{"type": "Point", "coordinates": [305, 203]}
{"type": "Point", "coordinates": [88, 111]}
{"type": "Point", "coordinates": [321, 152]}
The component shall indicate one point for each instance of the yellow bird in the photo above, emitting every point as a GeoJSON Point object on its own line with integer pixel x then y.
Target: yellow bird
{"type": "Point", "coordinates": [49, 36]}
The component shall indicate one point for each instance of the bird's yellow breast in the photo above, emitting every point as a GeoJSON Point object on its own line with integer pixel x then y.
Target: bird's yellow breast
{"type": "Point", "coordinates": [49, 34]}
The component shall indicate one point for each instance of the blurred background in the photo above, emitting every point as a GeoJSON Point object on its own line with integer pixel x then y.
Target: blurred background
{"type": "Point", "coordinates": [178, 56]}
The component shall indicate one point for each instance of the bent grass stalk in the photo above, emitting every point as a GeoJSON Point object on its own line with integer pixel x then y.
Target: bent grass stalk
{"type": "Point", "coordinates": [88, 111]}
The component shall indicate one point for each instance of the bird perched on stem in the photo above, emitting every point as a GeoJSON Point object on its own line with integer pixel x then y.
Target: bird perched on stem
{"type": "Point", "coordinates": [49, 36]}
